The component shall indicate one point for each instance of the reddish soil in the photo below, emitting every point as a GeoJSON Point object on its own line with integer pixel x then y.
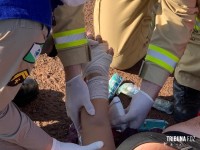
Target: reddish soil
{"type": "Point", "coordinates": [48, 110]}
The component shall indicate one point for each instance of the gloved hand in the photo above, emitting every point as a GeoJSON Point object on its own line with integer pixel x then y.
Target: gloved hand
{"type": "Point", "coordinates": [136, 112]}
{"type": "Point", "coordinates": [71, 146]}
{"type": "Point", "coordinates": [92, 43]}
{"type": "Point", "coordinates": [77, 97]}
{"type": "Point", "coordinates": [74, 2]}
{"type": "Point", "coordinates": [100, 64]}
{"type": "Point", "coordinates": [116, 110]}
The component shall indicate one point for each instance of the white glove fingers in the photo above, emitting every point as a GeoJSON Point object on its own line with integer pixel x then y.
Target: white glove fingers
{"type": "Point", "coordinates": [78, 128]}
{"type": "Point", "coordinates": [78, 96]}
{"type": "Point", "coordinates": [57, 145]}
{"type": "Point", "coordinates": [90, 108]}
{"type": "Point", "coordinates": [73, 114]}
{"type": "Point", "coordinates": [94, 146]}
{"type": "Point", "coordinates": [76, 121]}
{"type": "Point", "coordinates": [92, 42]}
{"type": "Point", "coordinates": [140, 106]}
{"type": "Point", "coordinates": [120, 120]}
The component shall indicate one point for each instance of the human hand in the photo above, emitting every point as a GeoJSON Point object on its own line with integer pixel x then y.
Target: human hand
{"type": "Point", "coordinates": [77, 97]}
{"type": "Point", "coordinates": [71, 146]}
{"type": "Point", "coordinates": [96, 71]}
{"type": "Point", "coordinates": [136, 112]}
{"type": "Point", "coordinates": [116, 110]}
{"type": "Point", "coordinates": [101, 56]}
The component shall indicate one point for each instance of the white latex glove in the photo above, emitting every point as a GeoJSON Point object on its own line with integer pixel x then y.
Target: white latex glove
{"type": "Point", "coordinates": [77, 97]}
{"type": "Point", "coordinates": [71, 146]}
{"type": "Point", "coordinates": [136, 112]}
{"type": "Point", "coordinates": [100, 64]}
{"type": "Point", "coordinates": [92, 43]}
{"type": "Point", "coordinates": [116, 110]}
{"type": "Point", "coordinates": [74, 2]}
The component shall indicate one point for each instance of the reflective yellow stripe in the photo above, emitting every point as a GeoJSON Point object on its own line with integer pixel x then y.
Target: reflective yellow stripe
{"type": "Point", "coordinates": [70, 32]}
{"type": "Point", "coordinates": [71, 38]}
{"type": "Point", "coordinates": [197, 19]}
{"type": "Point", "coordinates": [197, 24]}
{"type": "Point", "coordinates": [162, 58]}
{"type": "Point", "coordinates": [159, 63]}
{"type": "Point", "coordinates": [164, 52]}
{"type": "Point", "coordinates": [71, 44]}
{"type": "Point", "coordinates": [196, 27]}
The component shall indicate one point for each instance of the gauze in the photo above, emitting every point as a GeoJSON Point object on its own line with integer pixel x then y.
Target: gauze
{"type": "Point", "coordinates": [100, 63]}
{"type": "Point", "coordinates": [98, 87]}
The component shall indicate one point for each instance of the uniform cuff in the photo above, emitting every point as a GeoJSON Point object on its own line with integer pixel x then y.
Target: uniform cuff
{"type": "Point", "coordinates": [74, 56]}
{"type": "Point", "coordinates": [153, 73]}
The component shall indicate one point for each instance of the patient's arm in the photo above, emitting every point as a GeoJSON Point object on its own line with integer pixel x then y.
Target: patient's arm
{"type": "Point", "coordinates": [191, 127]}
{"type": "Point", "coordinates": [96, 74]}
{"type": "Point", "coordinates": [97, 127]}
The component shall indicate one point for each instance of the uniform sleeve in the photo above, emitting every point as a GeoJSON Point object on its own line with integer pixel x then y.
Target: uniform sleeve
{"type": "Point", "coordinates": [69, 35]}
{"type": "Point", "coordinates": [17, 128]}
{"type": "Point", "coordinates": [174, 24]}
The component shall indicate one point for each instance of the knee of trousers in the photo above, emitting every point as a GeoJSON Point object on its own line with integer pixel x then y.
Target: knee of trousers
{"type": "Point", "coordinates": [3, 112]}
{"type": "Point", "coordinates": [131, 55]}
{"type": "Point", "coordinates": [9, 146]}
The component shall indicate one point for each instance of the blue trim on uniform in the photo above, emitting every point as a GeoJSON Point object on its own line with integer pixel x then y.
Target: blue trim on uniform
{"type": "Point", "coordinates": [35, 10]}
{"type": "Point", "coordinates": [55, 3]}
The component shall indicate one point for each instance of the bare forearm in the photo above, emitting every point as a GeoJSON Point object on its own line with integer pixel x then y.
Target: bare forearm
{"type": "Point", "coordinates": [150, 88]}
{"type": "Point", "coordinates": [97, 127]}
{"type": "Point", "coordinates": [72, 71]}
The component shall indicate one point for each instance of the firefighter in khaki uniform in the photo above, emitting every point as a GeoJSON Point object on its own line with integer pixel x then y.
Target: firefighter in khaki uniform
{"type": "Point", "coordinates": [17, 56]}
{"type": "Point", "coordinates": [68, 35]}
{"type": "Point", "coordinates": [130, 36]}
{"type": "Point", "coordinates": [70, 41]}
{"type": "Point", "coordinates": [186, 85]}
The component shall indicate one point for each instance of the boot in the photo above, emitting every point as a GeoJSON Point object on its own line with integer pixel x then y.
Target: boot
{"type": "Point", "coordinates": [27, 93]}
{"type": "Point", "coordinates": [186, 102]}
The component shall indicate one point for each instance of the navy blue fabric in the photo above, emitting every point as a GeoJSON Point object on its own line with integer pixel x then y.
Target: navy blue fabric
{"type": "Point", "coordinates": [55, 3]}
{"type": "Point", "coordinates": [36, 10]}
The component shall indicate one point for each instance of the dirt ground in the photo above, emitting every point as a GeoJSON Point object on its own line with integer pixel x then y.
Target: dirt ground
{"type": "Point", "coordinates": [48, 110]}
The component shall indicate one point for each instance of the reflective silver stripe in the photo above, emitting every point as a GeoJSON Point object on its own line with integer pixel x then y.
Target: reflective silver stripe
{"type": "Point", "coordinates": [198, 23]}
{"type": "Point", "coordinates": [162, 57]}
{"type": "Point", "coordinates": [70, 38]}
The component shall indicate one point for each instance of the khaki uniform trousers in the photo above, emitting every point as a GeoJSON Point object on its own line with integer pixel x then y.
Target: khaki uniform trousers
{"type": "Point", "coordinates": [187, 72]}
{"type": "Point", "coordinates": [127, 26]}
{"type": "Point", "coordinates": [20, 45]}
